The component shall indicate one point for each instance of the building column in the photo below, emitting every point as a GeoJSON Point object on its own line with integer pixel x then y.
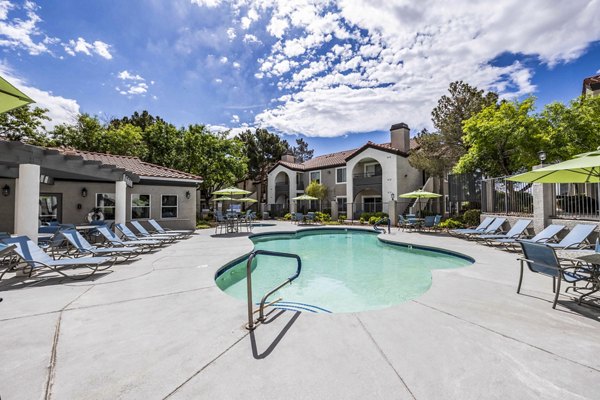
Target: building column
{"type": "Point", "coordinates": [392, 212]}
{"type": "Point", "coordinates": [120, 202]}
{"type": "Point", "coordinates": [27, 201]}
{"type": "Point", "coordinates": [293, 191]}
{"type": "Point", "coordinates": [334, 210]}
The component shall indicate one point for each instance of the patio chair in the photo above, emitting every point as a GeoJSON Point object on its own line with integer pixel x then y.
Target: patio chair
{"type": "Point", "coordinates": [159, 229]}
{"type": "Point", "coordinates": [577, 238]}
{"type": "Point", "coordinates": [147, 235]}
{"type": "Point", "coordinates": [436, 223]}
{"type": "Point", "coordinates": [310, 218]}
{"type": "Point", "coordinates": [492, 229]}
{"type": "Point", "coordinates": [298, 217]}
{"type": "Point", "coordinates": [406, 223]}
{"type": "Point", "coordinates": [517, 230]}
{"type": "Point", "coordinates": [480, 228]}
{"type": "Point", "coordinates": [80, 247]}
{"type": "Point", "coordinates": [546, 235]}
{"type": "Point", "coordinates": [36, 259]}
{"type": "Point", "coordinates": [428, 222]}
{"type": "Point", "coordinates": [132, 236]}
{"type": "Point", "coordinates": [112, 238]}
{"type": "Point", "coordinates": [541, 259]}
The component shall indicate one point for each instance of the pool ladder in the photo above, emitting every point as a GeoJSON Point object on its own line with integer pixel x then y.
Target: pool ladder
{"type": "Point", "coordinates": [261, 309]}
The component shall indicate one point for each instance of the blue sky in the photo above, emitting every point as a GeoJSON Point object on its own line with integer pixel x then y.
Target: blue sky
{"type": "Point", "coordinates": [338, 73]}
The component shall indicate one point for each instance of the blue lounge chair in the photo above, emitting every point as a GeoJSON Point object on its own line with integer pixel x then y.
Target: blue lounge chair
{"type": "Point", "coordinates": [36, 259]}
{"type": "Point", "coordinates": [428, 222]}
{"type": "Point", "coordinates": [480, 228]}
{"type": "Point", "coordinates": [517, 230]}
{"type": "Point", "coordinates": [576, 238]}
{"type": "Point", "coordinates": [407, 223]}
{"type": "Point", "coordinates": [80, 247]}
{"type": "Point", "coordinates": [160, 230]}
{"type": "Point", "coordinates": [541, 258]}
{"type": "Point", "coordinates": [546, 235]}
{"type": "Point", "coordinates": [110, 237]}
{"type": "Point", "coordinates": [310, 218]}
{"type": "Point", "coordinates": [492, 229]}
{"type": "Point", "coordinates": [298, 218]}
{"type": "Point", "coordinates": [132, 236]}
{"type": "Point", "coordinates": [147, 235]}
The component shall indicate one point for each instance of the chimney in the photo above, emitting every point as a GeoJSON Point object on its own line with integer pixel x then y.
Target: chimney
{"type": "Point", "coordinates": [400, 137]}
{"type": "Point", "coordinates": [288, 157]}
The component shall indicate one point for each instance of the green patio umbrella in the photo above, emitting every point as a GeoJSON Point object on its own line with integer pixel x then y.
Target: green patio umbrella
{"type": "Point", "coordinates": [231, 191]}
{"type": "Point", "coordinates": [420, 194]}
{"type": "Point", "coordinates": [11, 97]}
{"type": "Point", "coordinates": [583, 168]}
{"type": "Point", "coordinates": [222, 199]}
{"type": "Point", "coordinates": [247, 200]}
{"type": "Point", "coordinates": [305, 197]}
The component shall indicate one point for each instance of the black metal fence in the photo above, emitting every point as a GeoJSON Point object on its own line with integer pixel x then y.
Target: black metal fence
{"type": "Point", "coordinates": [500, 196]}
{"type": "Point", "coordinates": [464, 191]}
{"type": "Point", "coordinates": [575, 201]}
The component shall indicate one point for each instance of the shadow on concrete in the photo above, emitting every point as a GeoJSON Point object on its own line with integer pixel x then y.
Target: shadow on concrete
{"type": "Point", "coordinates": [230, 235]}
{"type": "Point", "coordinates": [589, 307]}
{"type": "Point", "coordinates": [277, 339]}
{"type": "Point", "coordinates": [21, 282]}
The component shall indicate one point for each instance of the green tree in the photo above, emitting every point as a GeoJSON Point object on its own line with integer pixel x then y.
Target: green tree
{"type": "Point", "coordinates": [502, 139]}
{"type": "Point", "coordinates": [439, 151]}
{"type": "Point", "coordinates": [220, 161]}
{"type": "Point", "coordinates": [317, 190]}
{"type": "Point", "coordinates": [86, 134]}
{"type": "Point", "coordinates": [263, 150]}
{"type": "Point", "coordinates": [430, 155]}
{"type": "Point", "coordinates": [301, 151]}
{"type": "Point", "coordinates": [571, 129]}
{"type": "Point", "coordinates": [143, 120]}
{"type": "Point", "coordinates": [126, 140]}
{"type": "Point", "coordinates": [24, 124]}
{"type": "Point", "coordinates": [162, 143]}
{"type": "Point", "coordinates": [462, 102]}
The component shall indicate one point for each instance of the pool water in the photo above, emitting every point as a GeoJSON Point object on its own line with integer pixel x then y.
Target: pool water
{"type": "Point", "coordinates": [342, 270]}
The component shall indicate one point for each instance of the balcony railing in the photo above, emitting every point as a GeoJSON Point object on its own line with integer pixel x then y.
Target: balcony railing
{"type": "Point", "coordinates": [366, 181]}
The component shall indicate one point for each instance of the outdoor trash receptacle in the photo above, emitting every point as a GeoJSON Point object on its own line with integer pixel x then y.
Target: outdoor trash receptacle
{"type": "Point", "coordinates": [265, 215]}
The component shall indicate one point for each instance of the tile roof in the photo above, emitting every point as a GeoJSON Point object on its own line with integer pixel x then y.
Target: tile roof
{"type": "Point", "coordinates": [338, 159]}
{"type": "Point", "coordinates": [133, 164]}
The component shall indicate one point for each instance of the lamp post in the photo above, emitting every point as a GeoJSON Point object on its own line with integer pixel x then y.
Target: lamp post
{"type": "Point", "coordinates": [542, 156]}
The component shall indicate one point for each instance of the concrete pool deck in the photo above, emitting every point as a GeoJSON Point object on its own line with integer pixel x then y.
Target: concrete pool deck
{"type": "Point", "coordinates": [160, 328]}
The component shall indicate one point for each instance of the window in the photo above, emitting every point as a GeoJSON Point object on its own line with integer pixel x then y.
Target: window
{"type": "Point", "coordinates": [340, 175]}
{"type": "Point", "coordinates": [168, 207]}
{"type": "Point", "coordinates": [372, 204]}
{"type": "Point", "coordinates": [50, 207]}
{"type": "Point", "coordinates": [140, 206]}
{"type": "Point", "coordinates": [315, 176]}
{"type": "Point", "coordinates": [342, 203]}
{"type": "Point", "coordinates": [372, 169]}
{"type": "Point", "coordinates": [105, 202]}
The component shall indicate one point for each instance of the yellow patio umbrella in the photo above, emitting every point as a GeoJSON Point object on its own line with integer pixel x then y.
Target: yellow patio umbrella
{"type": "Point", "coordinates": [420, 194]}
{"type": "Point", "coordinates": [231, 191]}
{"type": "Point", "coordinates": [11, 97]}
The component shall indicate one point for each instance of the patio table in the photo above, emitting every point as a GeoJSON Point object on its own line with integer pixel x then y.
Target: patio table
{"type": "Point", "coordinates": [592, 259]}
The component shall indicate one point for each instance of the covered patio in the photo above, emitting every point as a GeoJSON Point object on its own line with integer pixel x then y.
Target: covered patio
{"type": "Point", "coordinates": [24, 168]}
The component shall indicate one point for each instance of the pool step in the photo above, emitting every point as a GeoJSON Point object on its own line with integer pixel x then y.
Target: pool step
{"type": "Point", "coordinates": [302, 307]}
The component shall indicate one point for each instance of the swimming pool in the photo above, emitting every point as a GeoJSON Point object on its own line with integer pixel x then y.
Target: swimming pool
{"type": "Point", "coordinates": [343, 270]}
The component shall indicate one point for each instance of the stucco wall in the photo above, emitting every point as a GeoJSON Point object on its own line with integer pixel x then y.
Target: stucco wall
{"type": "Point", "coordinates": [71, 197]}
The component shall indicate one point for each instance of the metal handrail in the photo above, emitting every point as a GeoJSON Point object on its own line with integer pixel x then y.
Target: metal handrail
{"type": "Point", "coordinates": [251, 324]}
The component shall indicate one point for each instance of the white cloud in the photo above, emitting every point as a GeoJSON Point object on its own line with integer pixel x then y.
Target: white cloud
{"type": "Point", "coordinates": [236, 65]}
{"type": "Point", "coordinates": [235, 119]}
{"type": "Point", "coordinates": [251, 39]}
{"type": "Point", "coordinates": [218, 81]}
{"type": "Point", "coordinates": [17, 33]}
{"type": "Point", "coordinates": [126, 75]}
{"type": "Point", "coordinates": [206, 3]}
{"type": "Point", "coordinates": [232, 132]}
{"type": "Point", "coordinates": [60, 109]}
{"type": "Point", "coordinates": [82, 46]}
{"type": "Point", "coordinates": [223, 60]}
{"type": "Point", "coordinates": [133, 84]}
{"type": "Point", "coordinates": [231, 33]}
{"type": "Point", "coordinates": [358, 66]}
{"type": "Point", "coordinates": [23, 33]}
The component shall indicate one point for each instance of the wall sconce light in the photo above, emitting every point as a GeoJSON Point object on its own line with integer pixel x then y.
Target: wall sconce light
{"type": "Point", "coordinates": [542, 156]}
{"type": "Point", "coordinates": [6, 191]}
{"type": "Point", "coordinates": [188, 194]}
{"type": "Point", "coordinates": [392, 196]}
{"type": "Point", "coordinates": [84, 192]}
